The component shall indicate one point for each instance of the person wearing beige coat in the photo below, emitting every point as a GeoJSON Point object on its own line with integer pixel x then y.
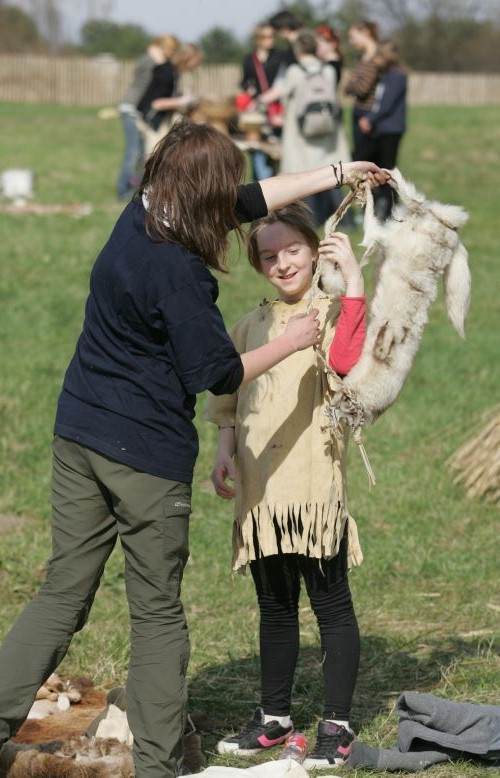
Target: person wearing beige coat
{"type": "Point", "coordinates": [288, 463]}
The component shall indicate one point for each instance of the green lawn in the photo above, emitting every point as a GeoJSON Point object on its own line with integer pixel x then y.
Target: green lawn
{"type": "Point", "coordinates": [428, 592]}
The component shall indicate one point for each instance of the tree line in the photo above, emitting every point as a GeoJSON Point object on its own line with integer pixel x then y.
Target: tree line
{"type": "Point", "coordinates": [434, 35]}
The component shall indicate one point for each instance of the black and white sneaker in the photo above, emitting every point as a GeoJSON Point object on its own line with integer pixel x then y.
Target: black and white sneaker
{"type": "Point", "coordinates": [333, 746]}
{"type": "Point", "coordinates": [255, 736]}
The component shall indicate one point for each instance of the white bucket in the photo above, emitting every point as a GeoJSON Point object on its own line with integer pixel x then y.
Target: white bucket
{"type": "Point", "coordinates": [17, 183]}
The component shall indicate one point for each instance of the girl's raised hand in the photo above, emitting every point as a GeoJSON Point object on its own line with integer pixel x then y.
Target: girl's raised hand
{"type": "Point", "coordinates": [336, 248]}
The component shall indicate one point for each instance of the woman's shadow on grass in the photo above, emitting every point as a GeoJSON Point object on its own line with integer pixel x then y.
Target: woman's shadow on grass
{"type": "Point", "coordinates": [223, 696]}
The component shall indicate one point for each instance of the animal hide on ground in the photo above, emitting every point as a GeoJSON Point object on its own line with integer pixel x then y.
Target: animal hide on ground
{"type": "Point", "coordinates": [77, 757]}
{"type": "Point", "coordinates": [58, 722]}
{"type": "Point", "coordinates": [55, 696]}
{"type": "Point", "coordinates": [55, 746]}
{"type": "Point", "coordinates": [417, 245]}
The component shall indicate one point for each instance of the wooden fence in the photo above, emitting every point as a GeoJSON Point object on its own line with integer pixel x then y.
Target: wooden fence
{"type": "Point", "coordinates": [103, 80]}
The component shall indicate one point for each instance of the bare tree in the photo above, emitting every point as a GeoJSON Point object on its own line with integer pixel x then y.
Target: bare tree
{"type": "Point", "coordinates": [402, 11]}
{"type": "Point", "coordinates": [52, 24]}
{"type": "Point", "coordinates": [48, 18]}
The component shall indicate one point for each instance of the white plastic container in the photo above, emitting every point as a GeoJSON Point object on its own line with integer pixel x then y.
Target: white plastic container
{"type": "Point", "coordinates": [17, 183]}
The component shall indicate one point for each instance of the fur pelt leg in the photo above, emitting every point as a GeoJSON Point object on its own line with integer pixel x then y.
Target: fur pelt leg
{"type": "Point", "coordinates": [414, 248]}
{"type": "Point", "coordinates": [84, 757]}
{"type": "Point", "coordinates": [100, 756]}
{"type": "Point", "coordinates": [75, 758]}
{"type": "Point", "coordinates": [55, 747]}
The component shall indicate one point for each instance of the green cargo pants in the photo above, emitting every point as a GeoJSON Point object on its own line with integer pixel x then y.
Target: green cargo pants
{"type": "Point", "coordinates": [95, 500]}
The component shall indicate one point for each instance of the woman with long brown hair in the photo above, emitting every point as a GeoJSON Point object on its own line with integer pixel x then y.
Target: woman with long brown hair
{"type": "Point", "coordinates": [384, 126]}
{"type": "Point", "coordinates": [362, 81]}
{"type": "Point", "coordinates": [125, 444]}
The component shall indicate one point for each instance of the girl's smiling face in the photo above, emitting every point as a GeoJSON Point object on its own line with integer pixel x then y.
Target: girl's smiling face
{"type": "Point", "coordinates": [286, 260]}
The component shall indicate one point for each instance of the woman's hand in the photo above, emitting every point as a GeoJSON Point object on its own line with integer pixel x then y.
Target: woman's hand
{"type": "Point", "coordinates": [365, 125]}
{"type": "Point", "coordinates": [303, 330]}
{"type": "Point", "coordinates": [375, 175]}
{"type": "Point", "coordinates": [173, 103]}
{"type": "Point", "coordinates": [336, 248]}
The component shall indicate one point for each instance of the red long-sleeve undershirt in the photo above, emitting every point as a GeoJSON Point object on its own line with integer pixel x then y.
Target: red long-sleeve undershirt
{"type": "Point", "coordinates": [349, 336]}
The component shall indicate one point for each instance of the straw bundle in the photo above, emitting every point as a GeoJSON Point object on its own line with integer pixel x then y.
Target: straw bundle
{"type": "Point", "coordinates": [478, 461]}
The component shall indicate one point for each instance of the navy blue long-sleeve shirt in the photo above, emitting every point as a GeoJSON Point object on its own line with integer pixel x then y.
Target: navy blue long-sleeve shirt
{"type": "Point", "coordinates": [388, 115]}
{"type": "Point", "coordinates": [152, 339]}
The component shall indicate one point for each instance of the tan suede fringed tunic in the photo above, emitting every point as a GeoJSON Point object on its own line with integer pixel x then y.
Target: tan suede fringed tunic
{"type": "Point", "coordinates": [293, 494]}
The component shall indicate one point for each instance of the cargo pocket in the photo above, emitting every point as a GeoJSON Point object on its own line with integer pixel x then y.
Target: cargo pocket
{"type": "Point", "coordinates": [176, 512]}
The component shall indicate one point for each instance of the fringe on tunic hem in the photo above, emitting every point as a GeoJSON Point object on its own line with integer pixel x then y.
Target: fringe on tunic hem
{"type": "Point", "coordinates": [313, 530]}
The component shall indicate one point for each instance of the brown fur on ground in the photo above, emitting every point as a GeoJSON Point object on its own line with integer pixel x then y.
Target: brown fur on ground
{"type": "Point", "coordinates": [66, 723]}
{"type": "Point", "coordinates": [75, 758]}
{"type": "Point", "coordinates": [54, 747]}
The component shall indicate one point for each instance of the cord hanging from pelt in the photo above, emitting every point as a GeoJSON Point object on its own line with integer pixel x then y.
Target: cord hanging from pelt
{"type": "Point", "coordinates": [417, 245]}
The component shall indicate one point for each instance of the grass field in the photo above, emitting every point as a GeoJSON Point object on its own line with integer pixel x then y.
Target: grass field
{"type": "Point", "coordinates": [428, 592]}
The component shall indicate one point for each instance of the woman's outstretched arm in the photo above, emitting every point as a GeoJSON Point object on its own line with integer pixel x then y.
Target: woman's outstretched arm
{"type": "Point", "coordinates": [281, 190]}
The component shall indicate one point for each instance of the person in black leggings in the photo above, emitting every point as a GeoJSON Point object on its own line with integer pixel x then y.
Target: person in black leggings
{"type": "Point", "coordinates": [288, 468]}
{"type": "Point", "coordinates": [277, 580]}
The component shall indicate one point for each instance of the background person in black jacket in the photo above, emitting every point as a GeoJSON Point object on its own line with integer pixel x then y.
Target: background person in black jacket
{"type": "Point", "coordinates": [264, 50]}
{"type": "Point", "coordinates": [260, 69]}
{"type": "Point", "coordinates": [163, 101]}
{"type": "Point", "coordinates": [287, 26]}
{"type": "Point", "coordinates": [132, 166]}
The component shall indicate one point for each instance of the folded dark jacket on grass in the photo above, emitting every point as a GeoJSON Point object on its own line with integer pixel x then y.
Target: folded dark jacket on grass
{"type": "Point", "coordinates": [433, 730]}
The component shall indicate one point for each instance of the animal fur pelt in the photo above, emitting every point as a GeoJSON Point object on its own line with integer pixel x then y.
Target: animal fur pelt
{"type": "Point", "coordinates": [77, 757]}
{"type": "Point", "coordinates": [54, 697]}
{"type": "Point", "coordinates": [83, 757]}
{"type": "Point", "coordinates": [415, 247]}
{"type": "Point", "coordinates": [55, 746]}
{"type": "Point", "coordinates": [60, 723]}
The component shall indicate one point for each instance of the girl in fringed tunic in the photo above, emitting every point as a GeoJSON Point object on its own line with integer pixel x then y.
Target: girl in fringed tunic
{"type": "Point", "coordinates": [288, 466]}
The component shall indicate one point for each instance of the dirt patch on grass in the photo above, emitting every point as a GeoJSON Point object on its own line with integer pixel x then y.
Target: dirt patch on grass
{"type": "Point", "coordinates": [9, 522]}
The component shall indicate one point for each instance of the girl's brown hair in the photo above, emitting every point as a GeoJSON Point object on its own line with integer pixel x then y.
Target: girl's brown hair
{"type": "Point", "coordinates": [370, 27]}
{"type": "Point", "coordinates": [296, 215]}
{"type": "Point", "coordinates": [191, 181]}
{"type": "Point", "coordinates": [305, 43]}
{"type": "Point", "coordinates": [387, 55]}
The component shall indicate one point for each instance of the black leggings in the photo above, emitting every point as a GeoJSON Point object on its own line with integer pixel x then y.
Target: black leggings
{"type": "Point", "coordinates": [277, 580]}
